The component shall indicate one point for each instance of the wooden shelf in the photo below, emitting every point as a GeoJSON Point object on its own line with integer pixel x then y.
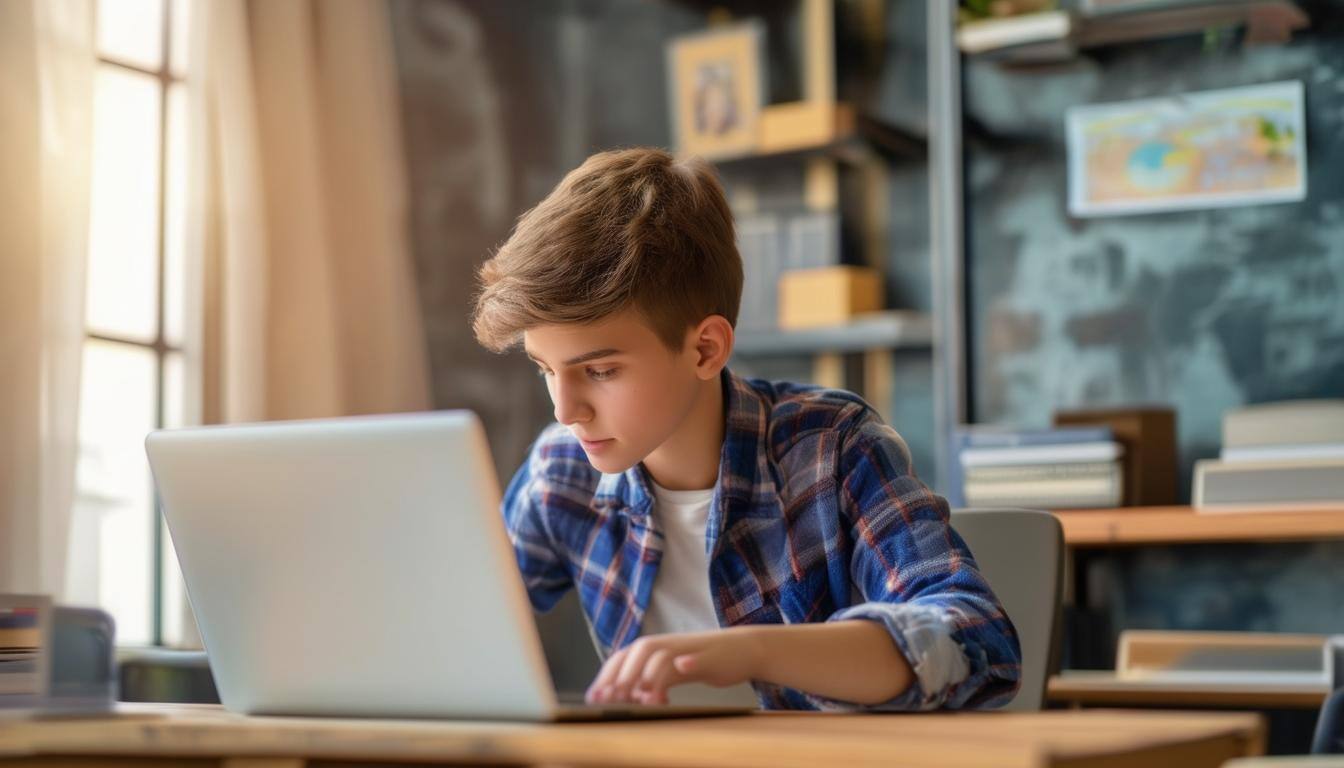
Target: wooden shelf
{"type": "Point", "coordinates": [894, 329]}
{"type": "Point", "coordinates": [1132, 526]}
{"type": "Point", "coordinates": [855, 139]}
{"type": "Point", "coordinates": [1105, 688]}
{"type": "Point", "coordinates": [1178, 18]}
{"type": "Point", "coordinates": [1151, 21]}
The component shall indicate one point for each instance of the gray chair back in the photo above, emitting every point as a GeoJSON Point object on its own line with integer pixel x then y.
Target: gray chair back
{"type": "Point", "coordinates": [1021, 554]}
{"type": "Point", "coordinates": [1329, 736]}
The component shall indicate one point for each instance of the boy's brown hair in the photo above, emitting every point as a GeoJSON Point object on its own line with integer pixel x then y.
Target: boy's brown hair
{"type": "Point", "coordinates": [633, 228]}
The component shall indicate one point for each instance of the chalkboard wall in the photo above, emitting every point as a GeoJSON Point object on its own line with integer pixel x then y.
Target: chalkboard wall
{"type": "Point", "coordinates": [1199, 310]}
{"type": "Point", "coordinates": [1202, 310]}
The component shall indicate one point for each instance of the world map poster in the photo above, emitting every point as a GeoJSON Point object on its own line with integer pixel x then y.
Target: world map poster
{"type": "Point", "coordinates": [1210, 149]}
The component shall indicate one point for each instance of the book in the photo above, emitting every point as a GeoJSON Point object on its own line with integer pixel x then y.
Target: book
{"type": "Point", "coordinates": [812, 240]}
{"type": "Point", "coordinates": [1032, 29]}
{"type": "Point", "coordinates": [1042, 454]}
{"type": "Point", "coordinates": [996, 436]}
{"type": "Point", "coordinates": [1290, 485]}
{"type": "Point", "coordinates": [758, 242]}
{"type": "Point", "coordinates": [1098, 490]}
{"type": "Point", "coordinates": [1039, 472]}
{"type": "Point", "coordinates": [1283, 452]}
{"type": "Point", "coordinates": [1291, 422]}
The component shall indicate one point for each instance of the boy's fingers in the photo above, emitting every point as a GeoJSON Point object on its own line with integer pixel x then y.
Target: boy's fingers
{"type": "Point", "coordinates": [631, 669]}
{"type": "Point", "coordinates": [659, 675]}
{"type": "Point", "coordinates": [604, 678]}
{"type": "Point", "coordinates": [656, 668]}
{"type": "Point", "coordinates": [689, 665]}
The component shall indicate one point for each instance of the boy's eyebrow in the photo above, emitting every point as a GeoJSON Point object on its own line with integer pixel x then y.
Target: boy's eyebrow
{"type": "Point", "coordinates": [585, 357]}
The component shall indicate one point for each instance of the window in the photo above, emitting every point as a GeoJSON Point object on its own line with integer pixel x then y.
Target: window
{"type": "Point", "coordinates": [135, 353]}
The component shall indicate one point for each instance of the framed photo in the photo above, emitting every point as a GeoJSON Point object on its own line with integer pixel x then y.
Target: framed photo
{"type": "Point", "coordinates": [717, 87]}
{"type": "Point", "coordinates": [1237, 146]}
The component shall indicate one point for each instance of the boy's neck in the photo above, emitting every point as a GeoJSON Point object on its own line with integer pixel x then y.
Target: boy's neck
{"type": "Point", "coordinates": [689, 460]}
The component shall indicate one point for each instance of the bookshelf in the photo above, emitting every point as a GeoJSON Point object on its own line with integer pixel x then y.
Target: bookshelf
{"type": "Point", "coordinates": [890, 330]}
{"type": "Point", "coordinates": [856, 139]}
{"type": "Point", "coordinates": [830, 210]}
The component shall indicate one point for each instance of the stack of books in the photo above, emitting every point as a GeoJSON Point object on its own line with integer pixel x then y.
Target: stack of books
{"type": "Point", "coordinates": [1060, 468]}
{"type": "Point", "coordinates": [1288, 455]}
{"type": "Point", "coordinates": [20, 644]}
{"type": "Point", "coordinates": [773, 243]}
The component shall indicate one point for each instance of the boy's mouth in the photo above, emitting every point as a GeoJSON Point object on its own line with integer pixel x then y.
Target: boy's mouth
{"type": "Point", "coordinates": [591, 445]}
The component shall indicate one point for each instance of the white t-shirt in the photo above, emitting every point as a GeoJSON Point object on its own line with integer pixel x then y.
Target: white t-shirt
{"type": "Point", "coordinates": [681, 600]}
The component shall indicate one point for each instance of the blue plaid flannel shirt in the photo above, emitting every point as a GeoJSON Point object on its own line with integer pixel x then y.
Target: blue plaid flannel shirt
{"type": "Point", "coordinates": [817, 516]}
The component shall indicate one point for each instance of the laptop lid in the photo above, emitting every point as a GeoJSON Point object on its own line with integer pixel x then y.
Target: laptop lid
{"type": "Point", "coordinates": [353, 566]}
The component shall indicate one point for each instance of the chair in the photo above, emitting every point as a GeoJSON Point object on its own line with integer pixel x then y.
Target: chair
{"type": "Point", "coordinates": [1329, 736]}
{"type": "Point", "coordinates": [1021, 554]}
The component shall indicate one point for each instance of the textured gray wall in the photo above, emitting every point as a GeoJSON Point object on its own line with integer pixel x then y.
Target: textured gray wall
{"type": "Point", "coordinates": [501, 98]}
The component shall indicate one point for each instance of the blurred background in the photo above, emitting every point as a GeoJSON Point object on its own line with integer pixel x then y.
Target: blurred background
{"type": "Point", "coordinates": [233, 211]}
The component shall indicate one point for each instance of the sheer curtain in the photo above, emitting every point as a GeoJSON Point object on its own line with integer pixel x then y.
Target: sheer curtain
{"type": "Point", "coordinates": [311, 307]}
{"type": "Point", "coordinates": [298, 193]}
{"type": "Point", "coordinates": [46, 124]}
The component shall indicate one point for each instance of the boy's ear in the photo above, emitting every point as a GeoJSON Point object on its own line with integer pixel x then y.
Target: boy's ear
{"type": "Point", "coordinates": [712, 341]}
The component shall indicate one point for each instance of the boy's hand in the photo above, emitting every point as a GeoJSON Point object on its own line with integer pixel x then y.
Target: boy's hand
{"type": "Point", "coordinates": [642, 672]}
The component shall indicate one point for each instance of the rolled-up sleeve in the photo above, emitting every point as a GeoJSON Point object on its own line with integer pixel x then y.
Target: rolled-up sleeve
{"type": "Point", "coordinates": [919, 581]}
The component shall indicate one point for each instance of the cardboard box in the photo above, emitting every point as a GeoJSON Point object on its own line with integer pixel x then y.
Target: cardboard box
{"type": "Point", "coordinates": [813, 298]}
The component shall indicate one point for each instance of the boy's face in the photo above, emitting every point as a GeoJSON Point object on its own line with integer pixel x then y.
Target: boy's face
{"type": "Point", "coordinates": [614, 383]}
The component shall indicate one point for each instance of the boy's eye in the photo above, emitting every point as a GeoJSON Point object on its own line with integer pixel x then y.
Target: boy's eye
{"type": "Point", "coordinates": [543, 373]}
{"type": "Point", "coordinates": [601, 375]}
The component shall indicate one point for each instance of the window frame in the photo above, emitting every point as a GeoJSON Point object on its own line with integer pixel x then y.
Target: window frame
{"type": "Point", "coordinates": [159, 346]}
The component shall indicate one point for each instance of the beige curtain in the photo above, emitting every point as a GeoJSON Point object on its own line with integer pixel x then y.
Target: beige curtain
{"type": "Point", "coordinates": [311, 307]}
{"type": "Point", "coordinates": [46, 127]}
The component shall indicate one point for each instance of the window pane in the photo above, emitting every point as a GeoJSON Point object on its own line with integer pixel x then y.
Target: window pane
{"type": "Point", "coordinates": [131, 31]}
{"type": "Point", "coordinates": [175, 217]}
{"type": "Point", "coordinates": [174, 391]}
{"type": "Point", "coordinates": [179, 47]}
{"type": "Point", "coordinates": [117, 409]}
{"type": "Point", "coordinates": [122, 297]}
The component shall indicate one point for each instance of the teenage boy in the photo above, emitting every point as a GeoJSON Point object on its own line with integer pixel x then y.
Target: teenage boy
{"type": "Point", "coordinates": [719, 530]}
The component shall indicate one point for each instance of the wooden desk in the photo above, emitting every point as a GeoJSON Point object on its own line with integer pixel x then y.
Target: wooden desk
{"type": "Point", "coordinates": [204, 735]}
{"type": "Point", "coordinates": [1091, 528]}
{"type": "Point", "coordinates": [1106, 689]}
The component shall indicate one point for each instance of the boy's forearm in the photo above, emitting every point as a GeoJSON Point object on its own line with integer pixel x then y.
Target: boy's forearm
{"type": "Point", "coordinates": [853, 661]}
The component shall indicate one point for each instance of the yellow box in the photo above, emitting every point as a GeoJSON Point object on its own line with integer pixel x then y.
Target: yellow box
{"type": "Point", "coordinates": [813, 298]}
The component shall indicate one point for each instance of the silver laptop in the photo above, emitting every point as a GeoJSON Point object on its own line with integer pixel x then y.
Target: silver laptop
{"type": "Point", "coordinates": [359, 567]}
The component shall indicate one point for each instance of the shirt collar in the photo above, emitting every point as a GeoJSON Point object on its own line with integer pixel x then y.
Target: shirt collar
{"type": "Point", "coordinates": [740, 459]}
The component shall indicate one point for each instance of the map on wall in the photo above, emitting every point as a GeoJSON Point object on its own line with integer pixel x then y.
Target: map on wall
{"type": "Point", "coordinates": [1211, 149]}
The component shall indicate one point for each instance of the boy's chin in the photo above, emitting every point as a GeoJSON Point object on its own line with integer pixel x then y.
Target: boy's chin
{"type": "Point", "coordinates": [610, 465]}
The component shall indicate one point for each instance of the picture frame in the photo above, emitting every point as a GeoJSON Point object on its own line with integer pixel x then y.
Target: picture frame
{"type": "Point", "coordinates": [716, 89]}
{"type": "Point", "coordinates": [1211, 149]}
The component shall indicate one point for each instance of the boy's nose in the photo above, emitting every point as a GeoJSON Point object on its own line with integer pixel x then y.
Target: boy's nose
{"type": "Point", "coordinates": [569, 409]}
